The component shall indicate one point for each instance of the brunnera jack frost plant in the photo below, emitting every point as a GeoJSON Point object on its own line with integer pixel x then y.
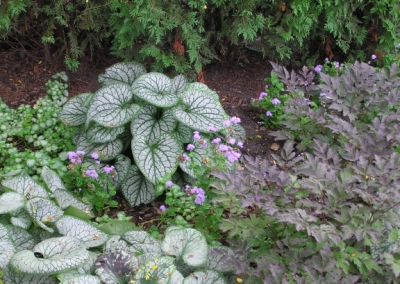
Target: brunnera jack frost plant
{"type": "Point", "coordinates": [150, 115]}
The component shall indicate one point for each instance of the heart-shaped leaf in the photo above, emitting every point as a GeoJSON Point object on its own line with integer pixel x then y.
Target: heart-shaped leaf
{"type": "Point", "coordinates": [21, 218]}
{"type": "Point", "coordinates": [155, 88]}
{"type": "Point", "coordinates": [145, 123]}
{"type": "Point", "coordinates": [126, 72]}
{"type": "Point", "coordinates": [116, 267]}
{"type": "Point", "coordinates": [100, 134]}
{"type": "Point", "coordinates": [43, 211]}
{"type": "Point", "coordinates": [121, 165]}
{"type": "Point", "coordinates": [136, 188]}
{"type": "Point", "coordinates": [114, 244]}
{"type": "Point", "coordinates": [12, 277]}
{"type": "Point", "coordinates": [178, 84]}
{"type": "Point", "coordinates": [87, 233]}
{"type": "Point", "coordinates": [110, 149]}
{"type": "Point", "coordinates": [157, 158]}
{"type": "Point", "coordinates": [11, 201]}
{"type": "Point", "coordinates": [204, 277]}
{"type": "Point", "coordinates": [74, 111]}
{"type": "Point", "coordinates": [156, 270]}
{"type": "Point", "coordinates": [66, 199]}
{"type": "Point", "coordinates": [142, 242]}
{"type": "Point", "coordinates": [25, 185]}
{"type": "Point", "coordinates": [182, 133]}
{"type": "Point", "coordinates": [21, 238]}
{"type": "Point", "coordinates": [52, 180]}
{"type": "Point", "coordinates": [51, 256]}
{"type": "Point", "coordinates": [199, 110]}
{"type": "Point", "coordinates": [188, 244]}
{"type": "Point", "coordinates": [112, 106]}
{"type": "Point", "coordinates": [7, 247]}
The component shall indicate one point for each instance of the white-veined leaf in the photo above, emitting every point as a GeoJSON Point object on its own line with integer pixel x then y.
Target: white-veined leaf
{"type": "Point", "coordinates": [74, 111]}
{"type": "Point", "coordinates": [43, 211]}
{"type": "Point", "coordinates": [158, 269]}
{"type": "Point", "coordinates": [203, 88]}
{"type": "Point", "coordinates": [25, 185]}
{"type": "Point", "coordinates": [83, 279]}
{"type": "Point", "coordinates": [121, 166]}
{"type": "Point", "coordinates": [110, 149]}
{"type": "Point", "coordinates": [66, 199]}
{"type": "Point", "coordinates": [136, 188]}
{"type": "Point", "coordinates": [178, 84]}
{"type": "Point", "coordinates": [51, 256]}
{"type": "Point", "coordinates": [87, 233]}
{"type": "Point", "coordinates": [7, 247]}
{"type": "Point", "coordinates": [126, 72]}
{"type": "Point", "coordinates": [21, 238]}
{"type": "Point", "coordinates": [182, 133]}
{"type": "Point", "coordinates": [100, 134]}
{"type": "Point", "coordinates": [112, 106]}
{"type": "Point", "coordinates": [204, 277]}
{"type": "Point", "coordinates": [21, 218]}
{"type": "Point", "coordinates": [115, 243]}
{"type": "Point", "coordinates": [155, 88]}
{"type": "Point", "coordinates": [147, 125]}
{"type": "Point", "coordinates": [158, 158]}
{"type": "Point", "coordinates": [199, 110]}
{"type": "Point", "coordinates": [11, 201]}
{"type": "Point", "coordinates": [12, 277]}
{"type": "Point", "coordinates": [52, 180]}
{"type": "Point", "coordinates": [142, 242]}
{"type": "Point", "coordinates": [188, 244]}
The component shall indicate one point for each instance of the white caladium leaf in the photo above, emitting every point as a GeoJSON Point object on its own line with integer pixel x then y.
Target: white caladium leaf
{"type": "Point", "coordinates": [204, 277]}
{"type": "Point", "coordinates": [155, 88]}
{"type": "Point", "coordinates": [110, 149]}
{"type": "Point", "coordinates": [116, 267]}
{"type": "Point", "coordinates": [188, 244]}
{"type": "Point", "coordinates": [87, 233]}
{"type": "Point", "coordinates": [197, 156]}
{"type": "Point", "coordinates": [142, 242]}
{"type": "Point", "coordinates": [136, 188]}
{"type": "Point", "coordinates": [112, 106]}
{"type": "Point", "coordinates": [199, 110]}
{"type": "Point", "coordinates": [121, 167]}
{"type": "Point", "coordinates": [157, 270]}
{"type": "Point", "coordinates": [176, 278]}
{"type": "Point", "coordinates": [126, 72]}
{"type": "Point", "coordinates": [43, 211]}
{"type": "Point", "coordinates": [203, 88]}
{"type": "Point", "coordinates": [52, 180]}
{"type": "Point", "coordinates": [178, 84]}
{"type": "Point", "coordinates": [147, 125]}
{"type": "Point", "coordinates": [182, 133]}
{"type": "Point", "coordinates": [25, 185]}
{"type": "Point", "coordinates": [7, 247]}
{"type": "Point", "coordinates": [115, 243]}
{"type": "Point", "coordinates": [158, 158]}
{"type": "Point", "coordinates": [74, 111]}
{"type": "Point", "coordinates": [66, 199]}
{"type": "Point", "coordinates": [21, 218]}
{"type": "Point", "coordinates": [11, 201]}
{"type": "Point", "coordinates": [12, 277]}
{"type": "Point", "coordinates": [51, 256]}
{"type": "Point", "coordinates": [83, 279]}
{"type": "Point", "coordinates": [21, 238]}
{"type": "Point", "coordinates": [100, 134]}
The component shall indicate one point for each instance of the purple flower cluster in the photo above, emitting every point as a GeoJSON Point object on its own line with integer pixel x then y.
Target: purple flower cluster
{"type": "Point", "coordinates": [318, 68]}
{"type": "Point", "coordinates": [262, 95]}
{"type": "Point", "coordinates": [92, 173]}
{"type": "Point", "coordinates": [76, 157]}
{"type": "Point", "coordinates": [163, 208]}
{"type": "Point", "coordinates": [200, 194]}
{"type": "Point", "coordinates": [232, 154]}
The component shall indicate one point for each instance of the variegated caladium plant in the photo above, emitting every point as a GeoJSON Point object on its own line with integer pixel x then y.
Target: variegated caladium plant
{"type": "Point", "coordinates": [146, 116]}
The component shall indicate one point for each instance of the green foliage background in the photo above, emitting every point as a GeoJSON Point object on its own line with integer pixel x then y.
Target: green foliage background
{"type": "Point", "coordinates": [152, 31]}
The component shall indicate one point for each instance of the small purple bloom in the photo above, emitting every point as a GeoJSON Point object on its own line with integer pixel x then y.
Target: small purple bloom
{"type": "Point", "coordinates": [257, 198]}
{"type": "Point", "coordinates": [80, 153]}
{"type": "Point", "coordinates": [235, 120]}
{"type": "Point", "coordinates": [227, 123]}
{"type": "Point", "coordinates": [97, 162]}
{"type": "Point", "coordinates": [240, 144]}
{"type": "Point", "coordinates": [190, 147]}
{"type": "Point", "coordinates": [322, 95]}
{"type": "Point", "coordinates": [72, 155]}
{"type": "Point", "coordinates": [268, 113]}
{"type": "Point", "coordinates": [216, 141]}
{"type": "Point", "coordinates": [231, 141]}
{"type": "Point", "coordinates": [211, 129]}
{"type": "Point", "coordinates": [266, 86]}
{"type": "Point", "coordinates": [262, 95]}
{"type": "Point", "coordinates": [275, 101]}
{"type": "Point", "coordinates": [318, 68]}
{"type": "Point", "coordinates": [326, 59]}
{"type": "Point", "coordinates": [196, 135]}
{"type": "Point", "coordinates": [223, 148]}
{"type": "Point", "coordinates": [186, 157]}
{"type": "Point", "coordinates": [162, 208]}
{"type": "Point", "coordinates": [203, 143]}
{"type": "Point", "coordinates": [107, 169]}
{"type": "Point", "coordinates": [199, 199]}
{"type": "Point", "coordinates": [169, 184]}
{"type": "Point", "coordinates": [94, 155]}
{"type": "Point", "coordinates": [373, 56]}
{"type": "Point", "coordinates": [337, 64]}
{"type": "Point", "coordinates": [92, 173]}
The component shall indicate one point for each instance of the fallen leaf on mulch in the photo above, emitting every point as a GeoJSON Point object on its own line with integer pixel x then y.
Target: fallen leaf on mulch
{"type": "Point", "coordinates": [274, 147]}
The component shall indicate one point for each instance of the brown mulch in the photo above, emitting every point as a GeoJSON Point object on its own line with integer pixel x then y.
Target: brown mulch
{"type": "Point", "coordinates": [22, 80]}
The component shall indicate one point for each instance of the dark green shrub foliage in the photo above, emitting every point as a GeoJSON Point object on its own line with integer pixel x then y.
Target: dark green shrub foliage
{"type": "Point", "coordinates": [330, 213]}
